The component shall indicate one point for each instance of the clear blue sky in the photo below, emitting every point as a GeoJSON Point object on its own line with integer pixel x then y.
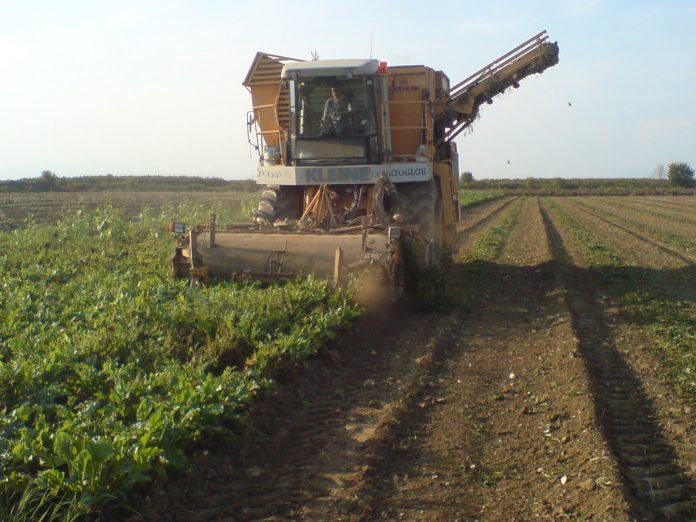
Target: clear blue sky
{"type": "Point", "coordinates": [154, 87]}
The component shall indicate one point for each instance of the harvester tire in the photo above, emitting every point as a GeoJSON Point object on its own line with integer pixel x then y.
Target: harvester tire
{"type": "Point", "coordinates": [422, 206]}
{"type": "Point", "coordinates": [278, 203]}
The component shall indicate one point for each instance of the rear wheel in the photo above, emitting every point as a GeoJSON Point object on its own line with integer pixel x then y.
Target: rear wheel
{"type": "Point", "coordinates": [278, 203]}
{"type": "Point", "coordinates": [421, 205]}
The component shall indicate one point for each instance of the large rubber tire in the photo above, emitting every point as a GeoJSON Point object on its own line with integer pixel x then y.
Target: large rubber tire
{"type": "Point", "coordinates": [278, 203]}
{"type": "Point", "coordinates": [421, 205]}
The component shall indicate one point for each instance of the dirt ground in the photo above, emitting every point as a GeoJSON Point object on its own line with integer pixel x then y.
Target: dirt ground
{"type": "Point", "coordinates": [520, 406]}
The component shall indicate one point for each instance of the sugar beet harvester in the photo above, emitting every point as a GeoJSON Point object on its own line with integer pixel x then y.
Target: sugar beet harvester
{"type": "Point", "coordinates": [358, 160]}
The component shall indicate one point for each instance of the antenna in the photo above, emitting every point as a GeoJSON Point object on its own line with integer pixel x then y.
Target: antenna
{"type": "Point", "coordinates": [371, 35]}
{"type": "Point", "coordinates": [315, 55]}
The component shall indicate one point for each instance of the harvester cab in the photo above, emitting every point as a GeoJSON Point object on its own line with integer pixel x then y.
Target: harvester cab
{"type": "Point", "coordinates": [358, 162]}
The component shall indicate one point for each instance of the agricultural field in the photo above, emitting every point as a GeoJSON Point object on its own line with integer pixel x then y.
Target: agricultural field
{"type": "Point", "coordinates": [554, 380]}
{"type": "Point", "coordinates": [19, 209]}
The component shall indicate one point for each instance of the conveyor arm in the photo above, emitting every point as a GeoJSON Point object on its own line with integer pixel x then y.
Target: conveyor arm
{"type": "Point", "coordinates": [533, 56]}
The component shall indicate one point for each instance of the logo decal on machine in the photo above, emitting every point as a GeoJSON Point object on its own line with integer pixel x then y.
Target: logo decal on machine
{"type": "Point", "coordinates": [344, 175]}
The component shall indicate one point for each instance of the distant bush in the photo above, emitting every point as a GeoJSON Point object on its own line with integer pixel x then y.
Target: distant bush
{"type": "Point", "coordinates": [680, 174]}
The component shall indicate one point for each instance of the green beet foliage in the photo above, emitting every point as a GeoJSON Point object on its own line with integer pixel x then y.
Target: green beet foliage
{"type": "Point", "coordinates": [110, 368]}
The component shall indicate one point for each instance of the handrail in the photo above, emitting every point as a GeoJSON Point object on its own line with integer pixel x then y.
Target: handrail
{"type": "Point", "coordinates": [259, 133]}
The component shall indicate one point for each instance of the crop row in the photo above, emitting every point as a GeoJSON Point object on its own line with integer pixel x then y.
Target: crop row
{"type": "Point", "coordinates": [491, 244]}
{"type": "Point", "coordinates": [110, 369]}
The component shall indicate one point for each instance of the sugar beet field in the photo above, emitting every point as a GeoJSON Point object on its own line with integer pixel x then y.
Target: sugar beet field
{"type": "Point", "coordinates": [551, 375]}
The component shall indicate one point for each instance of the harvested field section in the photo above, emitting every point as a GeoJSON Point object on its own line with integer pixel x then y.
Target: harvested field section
{"type": "Point", "coordinates": [637, 249]}
{"type": "Point", "coordinates": [680, 202]}
{"type": "Point", "coordinates": [633, 399]}
{"type": "Point", "coordinates": [473, 214]}
{"type": "Point", "coordinates": [669, 211]}
{"type": "Point", "coordinates": [680, 233]}
{"type": "Point", "coordinates": [658, 239]}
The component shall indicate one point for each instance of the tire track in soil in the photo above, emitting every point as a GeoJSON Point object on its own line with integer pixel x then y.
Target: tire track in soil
{"type": "Point", "coordinates": [313, 443]}
{"type": "Point", "coordinates": [656, 486]}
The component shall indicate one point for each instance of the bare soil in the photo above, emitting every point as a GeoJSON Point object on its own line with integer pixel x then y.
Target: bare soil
{"type": "Point", "coordinates": [536, 401]}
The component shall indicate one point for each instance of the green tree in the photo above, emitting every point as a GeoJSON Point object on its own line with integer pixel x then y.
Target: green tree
{"type": "Point", "coordinates": [465, 178]}
{"type": "Point", "coordinates": [680, 174]}
{"type": "Point", "coordinates": [48, 181]}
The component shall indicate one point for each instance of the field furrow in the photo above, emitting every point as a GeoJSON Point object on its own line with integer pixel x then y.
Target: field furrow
{"type": "Point", "coordinates": [526, 245]}
{"type": "Point", "coordinates": [313, 442]}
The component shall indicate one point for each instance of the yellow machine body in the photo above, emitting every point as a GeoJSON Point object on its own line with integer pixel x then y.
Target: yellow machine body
{"type": "Point", "coordinates": [350, 149]}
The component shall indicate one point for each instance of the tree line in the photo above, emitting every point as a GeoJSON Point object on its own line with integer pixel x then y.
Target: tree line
{"type": "Point", "coordinates": [51, 182]}
{"type": "Point", "coordinates": [679, 180]}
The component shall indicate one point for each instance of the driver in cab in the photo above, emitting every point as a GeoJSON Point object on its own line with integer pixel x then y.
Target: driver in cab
{"type": "Point", "coordinates": [337, 111]}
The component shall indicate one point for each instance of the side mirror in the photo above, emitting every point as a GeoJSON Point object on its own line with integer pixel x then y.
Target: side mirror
{"type": "Point", "coordinates": [251, 126]}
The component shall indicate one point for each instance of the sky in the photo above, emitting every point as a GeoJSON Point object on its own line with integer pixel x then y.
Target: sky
{"type": "Point", "coordinates": [154, 87]}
